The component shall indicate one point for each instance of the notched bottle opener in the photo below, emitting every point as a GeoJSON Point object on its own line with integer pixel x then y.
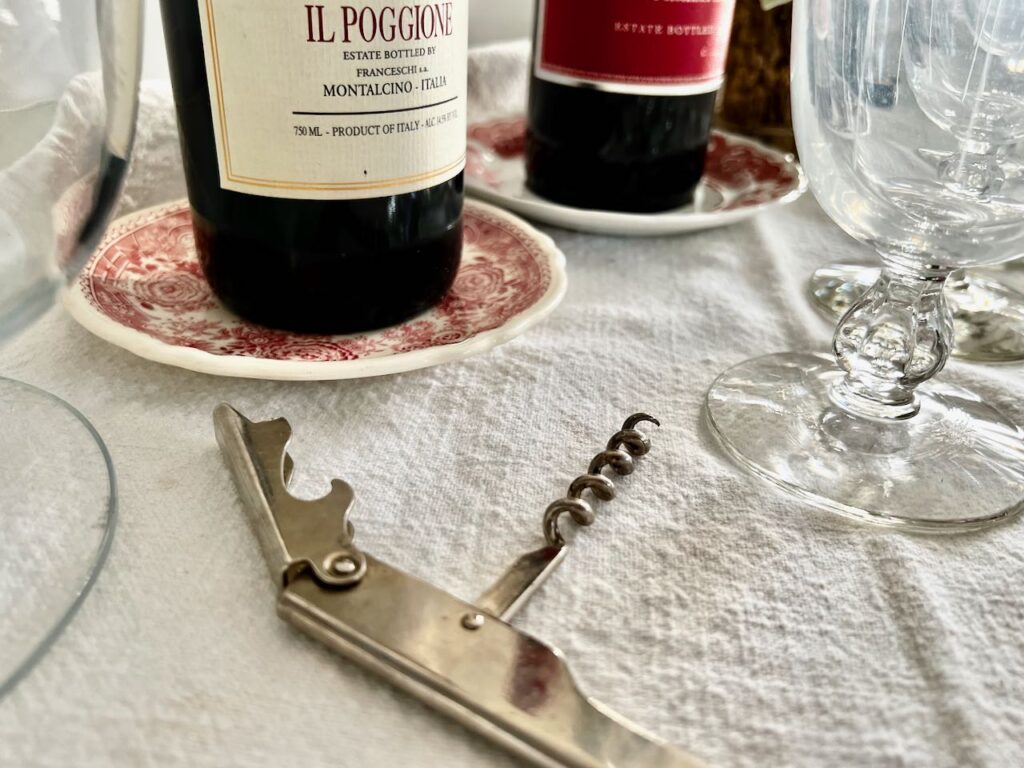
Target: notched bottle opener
{"type": "Point", "coordinates": [463, 659]}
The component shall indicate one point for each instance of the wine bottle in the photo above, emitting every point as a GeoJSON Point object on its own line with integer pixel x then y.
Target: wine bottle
{"type": "Point", "coordinates": [621, 99]}
{"type": "Point", "coordinates": [323, 147]}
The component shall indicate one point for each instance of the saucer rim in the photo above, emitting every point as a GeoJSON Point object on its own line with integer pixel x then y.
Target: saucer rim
{"type": "Point", "coordinates": [595, 221]}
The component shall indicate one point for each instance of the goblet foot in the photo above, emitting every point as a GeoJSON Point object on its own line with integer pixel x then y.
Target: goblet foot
{"type": "Point", "coordinates": [988, 317]}
{"type": "Point", "coordinates": [59, 511]}
{"type": "Point", "coordinates": [956, 466]}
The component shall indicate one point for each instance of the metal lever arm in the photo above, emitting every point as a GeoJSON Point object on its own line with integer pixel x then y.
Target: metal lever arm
{"type": "Point", "coordinates": [295, 534]}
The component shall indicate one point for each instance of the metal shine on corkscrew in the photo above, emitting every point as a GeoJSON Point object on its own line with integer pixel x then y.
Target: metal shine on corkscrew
{"type": "Point", "coordinates": [463, 659]}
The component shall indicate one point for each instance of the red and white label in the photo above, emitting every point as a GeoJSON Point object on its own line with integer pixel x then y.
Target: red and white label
{"type": "Point", "coordinates": [634, 46]}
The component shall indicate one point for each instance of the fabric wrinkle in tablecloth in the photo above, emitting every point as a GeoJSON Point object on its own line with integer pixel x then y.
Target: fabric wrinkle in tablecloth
{"type": "Point", "coordinates": [714, 611]}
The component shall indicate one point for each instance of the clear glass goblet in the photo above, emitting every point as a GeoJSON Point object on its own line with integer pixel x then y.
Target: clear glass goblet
{"type": "Point", "coordinates": [903, 110]}
{"type": "Point", "coordinates": [69, 74]}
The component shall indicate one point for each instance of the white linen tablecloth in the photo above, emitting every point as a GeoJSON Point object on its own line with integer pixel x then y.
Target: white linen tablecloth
{"type": "Point", "coordinates": [734, 621]}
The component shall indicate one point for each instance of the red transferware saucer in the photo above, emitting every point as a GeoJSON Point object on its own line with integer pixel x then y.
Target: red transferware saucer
{"type": "Point", "coordinates": [741, 178]}
{"type": "Point", "coordinates": [143, 290]}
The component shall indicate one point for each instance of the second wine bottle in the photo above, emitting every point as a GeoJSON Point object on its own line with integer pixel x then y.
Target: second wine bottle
{"type": "Point", "coordinates": [621, 100]}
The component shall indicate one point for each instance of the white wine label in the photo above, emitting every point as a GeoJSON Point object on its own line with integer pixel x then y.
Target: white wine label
{"type": "Point", "coordinates": [336, 101]}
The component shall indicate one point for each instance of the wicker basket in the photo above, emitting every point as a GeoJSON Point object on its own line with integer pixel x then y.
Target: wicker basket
{"type": "Point", "coordinates": [755, 100]}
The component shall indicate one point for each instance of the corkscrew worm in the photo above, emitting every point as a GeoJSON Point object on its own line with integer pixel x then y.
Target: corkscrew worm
{"type": "Point", "coordinates": [625, 445]}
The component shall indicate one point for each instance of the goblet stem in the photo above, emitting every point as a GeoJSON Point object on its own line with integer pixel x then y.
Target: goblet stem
{"type": "Point", "coordinates": [958, 281]}
{"type": "Point", "coordinates": [896, 337]}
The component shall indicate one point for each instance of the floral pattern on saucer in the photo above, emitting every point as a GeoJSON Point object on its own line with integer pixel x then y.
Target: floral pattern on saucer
{"type": "Point", "coordinates": [740, 178]}
{"type": "Point", "coordinates": [145, 290]}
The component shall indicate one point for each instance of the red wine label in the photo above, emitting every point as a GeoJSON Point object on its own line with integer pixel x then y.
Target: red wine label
{"type": "Point", "coordinates": [336, 100]}
{"type": "Point", "coordinates": [634, 46]}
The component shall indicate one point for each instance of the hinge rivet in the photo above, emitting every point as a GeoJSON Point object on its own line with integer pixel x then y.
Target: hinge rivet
{"type": "Point", "coordinates": [344, 566]}
{"type": "Point", "coordinates": [473, 620]}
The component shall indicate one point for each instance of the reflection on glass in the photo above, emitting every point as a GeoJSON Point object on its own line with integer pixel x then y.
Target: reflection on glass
{"type": "Point", "coordinates": [69, 73]}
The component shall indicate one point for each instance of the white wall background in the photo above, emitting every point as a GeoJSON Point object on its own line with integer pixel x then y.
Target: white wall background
{"type": "Point", "coordinates": [489, 21]}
